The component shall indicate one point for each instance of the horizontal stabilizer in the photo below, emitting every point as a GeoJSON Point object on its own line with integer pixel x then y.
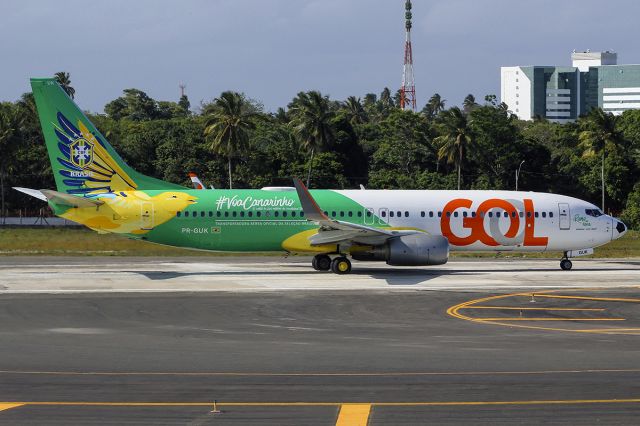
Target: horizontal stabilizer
{"type": "Point", "coordinates": [60, 197]}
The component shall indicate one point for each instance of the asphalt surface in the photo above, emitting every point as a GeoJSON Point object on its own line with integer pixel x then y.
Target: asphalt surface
{"type": "Point", "coordinates": [299, 357]}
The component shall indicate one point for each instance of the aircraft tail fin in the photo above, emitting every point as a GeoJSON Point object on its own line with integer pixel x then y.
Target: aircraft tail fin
{"type": "Point", "coordinates": [82, 160]}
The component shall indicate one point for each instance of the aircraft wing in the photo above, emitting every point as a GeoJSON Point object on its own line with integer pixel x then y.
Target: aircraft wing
{"type": "Point", "coordinates": [60, 197]}
{"type": "Point", "coordinates": [337, 231]}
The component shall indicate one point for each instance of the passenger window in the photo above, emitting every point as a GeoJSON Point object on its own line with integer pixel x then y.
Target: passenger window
{"type": "Point", "coordinates": [391, 213]}
{"type": "Point", "coordinates": [350, 213]}
{"type": "Point", "coordinates": [178, 214]}
{"type": "Point", "coordinates": [341, 214]}
{"type": "Point", "coordinates": [333, 214]}
{"type": "Point", "coordinates": [326, 213]}
{"type": "Point", "coordinates": [513, 214]}
{"type": "Point", "coordinates": [550, 214]}
{"type": "Point", "coordinates": [210, 213]}
{"type": "Point", "coordinates": [226, 214]}
{"type": "Point", "coordinates": [536, 214]}
{"type": "Point", "coordinates": [544, 214]}
{"type": "Point", "coordinates": [258, 214]}
{"type": "Point", "coordinates": [422, 214]}
{"type": "Point", "coordinates": [218, 214]}
{"type": "Point", "coordinates": [490, 214]}
{"type": "Point", "coordinates": [234, 213]}
{"type": "Point", "coordinates": [241, 214]}
{"type": "Point", "coordinates": [406, 214]}
{"type": "Point", "coordinates": [439, 214]}
{"type": "Point", "coordinates": [448, 214]}
{"type": "Point", "coordinates": [250, 214]}
{"type": "Point", "coordinates": [276, 213]}
{"type": "Point", "coordinates": [430, 214]}
{"type": "Point", "coordinates": [473, 214]}
{"type": "Point", "coordinates": [521, 214]}
{"type": "Point", "coordinates": [455, 214]}
{"type": "Point", "coordinates": [301, 214]}
{"type": "Point", "coordinates": [464, 214]}
{"type": "Point", "coordinates": [399, 214]}
{"type": "Point", "coordinates": [359, 214]}
{"type": "Point", "coordinates": [293, 214]}
{"type": "Point", "coordinates": [202, 213]}
{"type": "Point", "coordinates": [368, 213]}
{"type": "Point", "coordinates": [284, 214]}
{"type": "Point", "coordinates": [383, 213]}
{"type": "Point", "coordinates": [528, 214]}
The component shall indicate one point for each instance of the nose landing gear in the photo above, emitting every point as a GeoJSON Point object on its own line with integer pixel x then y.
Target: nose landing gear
{"type": "Point", "coordinates": [565, 263]}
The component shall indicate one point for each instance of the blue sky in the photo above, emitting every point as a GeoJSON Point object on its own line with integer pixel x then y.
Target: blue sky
{"type": "Point", "coordinates": [272, 49]}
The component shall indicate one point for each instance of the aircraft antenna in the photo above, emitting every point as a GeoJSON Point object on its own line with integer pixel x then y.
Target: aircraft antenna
{"type": "Point", "coordinates": [408, 90]}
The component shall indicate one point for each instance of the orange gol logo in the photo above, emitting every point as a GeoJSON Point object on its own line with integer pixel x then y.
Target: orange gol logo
{"type": "Point", "coordinates": [511, 209]}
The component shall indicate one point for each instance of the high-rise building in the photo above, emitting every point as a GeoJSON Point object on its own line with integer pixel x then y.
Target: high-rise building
{"type": "Point", "coordinates": [562, 94]}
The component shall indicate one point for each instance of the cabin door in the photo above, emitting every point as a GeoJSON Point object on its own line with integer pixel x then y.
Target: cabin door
{"type": "Point", "coordinates": [565, 216]}
{"type": "Point", "coordinates": [146, 214]}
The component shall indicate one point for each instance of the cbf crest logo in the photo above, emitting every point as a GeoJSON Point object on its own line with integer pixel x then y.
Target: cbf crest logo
{"type": "Point", "coordinates": [81, 153]}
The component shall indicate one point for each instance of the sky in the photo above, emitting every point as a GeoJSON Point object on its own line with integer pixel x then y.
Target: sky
{"type": "Point", "coordinates": [273, 49]}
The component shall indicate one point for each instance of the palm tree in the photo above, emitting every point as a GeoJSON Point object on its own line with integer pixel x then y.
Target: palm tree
{"type": "Point", "coordinates": [311, 122]}
{"type": "Point", "coordinates": [436, 104]}
{"type": "Point", "coordinates": [455, 137]}
{"type": "Point", "coordinates": [469, 103]}
{"type": "Point", "coordinates": [599, 134]}
{"type": "Point", "coordinates": [64, 80]}
{"type": "Point", "coordinates": [228, 122]}
{"type": "Point", "coordinates": [355, 111]}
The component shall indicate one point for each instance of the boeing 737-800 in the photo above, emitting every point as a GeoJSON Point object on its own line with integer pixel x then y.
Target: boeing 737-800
{"type": "Point", "coordinates": [96, 188]}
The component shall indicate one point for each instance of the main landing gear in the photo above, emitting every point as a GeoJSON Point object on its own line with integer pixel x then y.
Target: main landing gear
{"type": "Point", "coordinates": [565, 263]}
{"type": "Point", "coordinates": [339, 265]}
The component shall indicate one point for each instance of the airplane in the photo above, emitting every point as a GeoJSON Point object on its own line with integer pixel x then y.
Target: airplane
{"type": "Point", "coordinates": [96, 188]}
{"type": "Point", "coordinates": [195, 180]}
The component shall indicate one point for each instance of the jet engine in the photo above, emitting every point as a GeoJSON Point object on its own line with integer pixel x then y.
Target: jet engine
{"type": "Point", "coordinates": [409, 250]}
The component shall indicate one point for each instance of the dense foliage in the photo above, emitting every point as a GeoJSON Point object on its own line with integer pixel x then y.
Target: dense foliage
{"type": "Point", "coordinates": [342, 145]}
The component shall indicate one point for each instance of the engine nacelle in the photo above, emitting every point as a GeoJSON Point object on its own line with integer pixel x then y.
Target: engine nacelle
{"type": "Point", "coordinates": [409, 250]}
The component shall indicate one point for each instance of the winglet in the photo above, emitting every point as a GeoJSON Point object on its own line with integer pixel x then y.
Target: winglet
{"type": "Point", "coordinates": [309, 206]}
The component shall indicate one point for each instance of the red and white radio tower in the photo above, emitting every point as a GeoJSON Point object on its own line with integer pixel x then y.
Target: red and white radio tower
{"type": "Point", "coordinates": [408, 90]}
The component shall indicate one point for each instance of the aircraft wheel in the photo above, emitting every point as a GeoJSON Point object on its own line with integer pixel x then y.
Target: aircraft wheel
{"type": "Point", "coordinates": [341, 265]}
{"type": "Point", "coordinates": [566, 264]}
{"type": "Point", "coordinates": [321, 262]}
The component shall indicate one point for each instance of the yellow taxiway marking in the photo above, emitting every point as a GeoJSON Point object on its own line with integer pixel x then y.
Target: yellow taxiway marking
{"type": "Point", "coordinates": [516, 308]}
{"type": "Point", "coordinates": [597, 299]}
{"type": "Point", "coordinates": [8, 405]}
{"type": "Point", "coordinates": [454, 311]}
{"type": "Point", "coordinates": [318, 374]}
{"type": "Point", "coordinates": [549, 319]}
{"type": "Point", "coordinates": [324, 404]}
{"type": "Point", "coordinates": [353, 415]}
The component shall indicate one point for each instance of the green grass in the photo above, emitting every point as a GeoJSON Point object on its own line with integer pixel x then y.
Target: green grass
{"type": "Point", "coordinates": [67, 242]}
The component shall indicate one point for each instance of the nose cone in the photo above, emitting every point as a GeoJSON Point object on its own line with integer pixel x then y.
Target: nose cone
{"type": "Point", "coordinates": [620, 229]}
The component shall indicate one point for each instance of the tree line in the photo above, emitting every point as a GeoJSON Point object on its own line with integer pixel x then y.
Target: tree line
{"type": "Point", "coordinates": [232, 142]}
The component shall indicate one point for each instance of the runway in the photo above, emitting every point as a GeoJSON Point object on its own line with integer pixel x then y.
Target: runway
{"type": "Point", "coordinates": [250, 274]}
{"type": "Point", "coordinates": [480, 342]}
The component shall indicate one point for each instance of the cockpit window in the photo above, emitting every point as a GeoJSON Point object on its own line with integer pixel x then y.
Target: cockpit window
{"type": "Point", "coordinates": [593, 212]}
